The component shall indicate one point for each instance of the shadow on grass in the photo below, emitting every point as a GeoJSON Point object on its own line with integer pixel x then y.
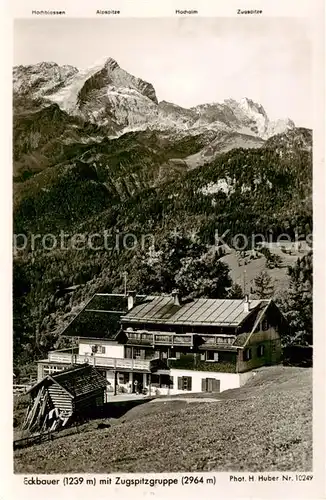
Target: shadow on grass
{"type": "Point", "coordinates": [114, 409]}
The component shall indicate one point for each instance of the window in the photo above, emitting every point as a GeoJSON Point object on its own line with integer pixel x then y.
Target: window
{"type": "Point", "coordinates": [247, 355]}
{"type": "Point", "coordinates": [178, 355]}
{"type": "Point", "coordinates": [260, 351]}
{"type": "Point", "coordinates": [137, 353]}
{"type": "Point", "coordinates": [212, 356]}
{"type": "Point", "coordinates": [128, 352]}
{"type": "Point", "coordinates": [184, 383]}
{"type": "Point", "coordinates": [98, 349]}
{"type": "Point", "coordinates": [148, 354]}
{"type": "Point", "coordinates": [123, 378]}
{"type": "Point", "coordinates": [264, 325]}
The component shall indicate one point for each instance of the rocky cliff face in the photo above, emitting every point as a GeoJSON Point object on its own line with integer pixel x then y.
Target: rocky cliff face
{"type": "Point", "coordinates": [108, 96]}
{"type": "Point", "coordinates": [41, 80]}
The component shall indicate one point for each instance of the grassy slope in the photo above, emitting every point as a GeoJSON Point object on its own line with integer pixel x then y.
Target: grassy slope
{"type": "Point", "coordinates": [266, 425]}
{"type": "Point", "coordinates": [280, 277]}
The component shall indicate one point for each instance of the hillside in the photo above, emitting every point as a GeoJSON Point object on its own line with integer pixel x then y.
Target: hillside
{"type": "Point", "coordinates": [263, 426]}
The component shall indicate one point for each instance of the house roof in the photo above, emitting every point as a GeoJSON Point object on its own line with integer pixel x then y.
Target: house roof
{"type": "Point", "coordinates": [80, 380]}
{"type": "Point", "coordinates": [212, 312]}
{"type": "Point", "coordinates": [101, 317]}
{"type": "Point", "coordinates": [77, 381]}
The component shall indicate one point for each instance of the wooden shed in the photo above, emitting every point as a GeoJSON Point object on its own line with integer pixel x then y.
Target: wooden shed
{"type": "Point", "coordinates": [67, 395]}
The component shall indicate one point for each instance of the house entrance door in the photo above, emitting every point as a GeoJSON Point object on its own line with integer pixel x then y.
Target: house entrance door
{"type": "Point", "coordinates": [138, 382]}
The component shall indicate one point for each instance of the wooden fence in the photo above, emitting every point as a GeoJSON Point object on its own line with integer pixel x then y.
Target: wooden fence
{"type": "Point", "coordinates": [21, 388]}
{"type": "Point", "coordinates": [42, 437]}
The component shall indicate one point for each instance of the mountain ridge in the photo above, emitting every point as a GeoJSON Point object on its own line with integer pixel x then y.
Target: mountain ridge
{"type": "Point", "coordinates": [108, 96]}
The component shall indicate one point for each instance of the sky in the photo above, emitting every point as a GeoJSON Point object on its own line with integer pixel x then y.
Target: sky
{"type": "Point", "coordinates": [189, 61]}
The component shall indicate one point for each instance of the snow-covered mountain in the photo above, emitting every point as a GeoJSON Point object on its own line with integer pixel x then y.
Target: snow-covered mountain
{"type": "Point", "coordinates": [108, 96]}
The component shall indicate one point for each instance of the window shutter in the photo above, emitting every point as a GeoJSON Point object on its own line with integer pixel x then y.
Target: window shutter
{"type": "Point", "coordinates": [189, 383]}
{"type": "Point", "coordinates": [202, 357]}
{"type": "Point", "coordinates": [215, 356]}
{"type": "Point", "coordinates": [216, 385]}
{"type": "Point", "coordinates": [180, 383]}
{"type": "Point", "coordinates": [203, 384]}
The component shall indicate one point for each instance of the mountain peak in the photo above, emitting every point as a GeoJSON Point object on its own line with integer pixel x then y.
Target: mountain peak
{"type": "Point", "coordinates": [105, 62]}
{"type": "Point", "coordinates": [111, 63]}
{"type": "Point", "coordinates": [248, 104]}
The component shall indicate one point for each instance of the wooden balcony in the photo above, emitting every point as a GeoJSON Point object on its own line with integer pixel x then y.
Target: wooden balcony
{"type": "Point", "coordinates": [218, 340]}
{"type": "Point", "coordinates": [160, 338]}
{"type": "Point", "coordinates": [68, 357]}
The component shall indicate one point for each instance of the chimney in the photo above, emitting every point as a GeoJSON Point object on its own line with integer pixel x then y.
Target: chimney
{"type": "Point", "coordinates": [246, 304]}
{"type": "Point", "coordinates": [176, 298]}
{"type": "Point", "coordinates": [131, 299]}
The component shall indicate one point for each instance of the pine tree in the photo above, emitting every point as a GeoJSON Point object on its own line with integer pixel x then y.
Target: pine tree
{"type": "Point", "coordinates": [263, 285]}
{"type": "Point", "coordinates": [183, 264]}
{"type": "Point", "coordinates": [298, 301]}
{"type": "Point", "coordinates": [235, 292]}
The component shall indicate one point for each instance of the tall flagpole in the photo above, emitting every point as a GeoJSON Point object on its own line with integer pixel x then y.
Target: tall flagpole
{"type": "Point", "coordinates": [125, 282]}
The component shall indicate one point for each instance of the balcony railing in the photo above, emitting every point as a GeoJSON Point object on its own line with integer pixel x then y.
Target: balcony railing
{"type": "Point", "coordinates": [218, 339]}
{"type": "Point", "coordinates": [101, 361]}
{"type": "Point", "coordinates": [165, 338]}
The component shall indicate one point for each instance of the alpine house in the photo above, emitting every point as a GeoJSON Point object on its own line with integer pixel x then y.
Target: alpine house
{"type": "Point", "coordinates": [166, 345]}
